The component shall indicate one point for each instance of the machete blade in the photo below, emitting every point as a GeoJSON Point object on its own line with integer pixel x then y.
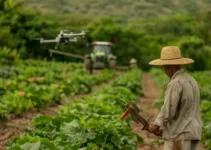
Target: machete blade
{"type": "Point", "coordinates": [135, 107]}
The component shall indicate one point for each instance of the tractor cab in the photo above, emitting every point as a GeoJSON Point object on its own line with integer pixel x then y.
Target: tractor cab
{"type": "Point", "coordinates": [101, 56]}
{"type": "Point", "coordinates": [102, 48]}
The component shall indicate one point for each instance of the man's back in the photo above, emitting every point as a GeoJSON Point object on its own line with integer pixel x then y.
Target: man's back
{"type": "Point", "coordinates": [184, 121]}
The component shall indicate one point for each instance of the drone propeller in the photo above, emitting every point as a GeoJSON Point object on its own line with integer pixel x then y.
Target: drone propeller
{"type": "Point", "coordinates": [66, 32]}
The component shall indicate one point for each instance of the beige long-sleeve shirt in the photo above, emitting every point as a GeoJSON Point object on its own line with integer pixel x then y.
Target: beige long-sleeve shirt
{"type": "Point", "coordinates": [180, 116]}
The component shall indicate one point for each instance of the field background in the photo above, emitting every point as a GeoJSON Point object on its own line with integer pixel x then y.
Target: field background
{"type": "Point", "coordinates": [34, 84]}
{"type": "Point", "coordinates": [138, 29]}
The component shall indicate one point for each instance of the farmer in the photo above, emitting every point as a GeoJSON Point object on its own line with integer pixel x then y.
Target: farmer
{"type": "Point", "coordinates": [133, 63]}
{"type": "Point", "coordinates": [180, 117]}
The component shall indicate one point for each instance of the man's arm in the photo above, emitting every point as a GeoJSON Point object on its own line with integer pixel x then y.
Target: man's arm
{"type": "Point", "coordinates": [168, 111]}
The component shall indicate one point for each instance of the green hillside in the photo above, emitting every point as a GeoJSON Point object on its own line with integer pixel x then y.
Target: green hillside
{"type": "Point", "coordinates": [121, 8]}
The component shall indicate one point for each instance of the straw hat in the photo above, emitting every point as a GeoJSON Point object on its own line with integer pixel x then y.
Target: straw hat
{"type": "Point", "coordinates": [133, 60]}
{"type": "Point", "coordinates": [170, 55]}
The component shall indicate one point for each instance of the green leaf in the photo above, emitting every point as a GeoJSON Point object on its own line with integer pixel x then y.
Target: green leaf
{"type": "Point", "coordinates": [66, 127]}
{"type": "Point", "coordinates": [48, 144]}
{"type": "Point", "coordinates": [31, 146]}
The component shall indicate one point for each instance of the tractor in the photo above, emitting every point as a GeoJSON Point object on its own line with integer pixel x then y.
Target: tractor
{"type": "Point", "coordinates": [100, 57]}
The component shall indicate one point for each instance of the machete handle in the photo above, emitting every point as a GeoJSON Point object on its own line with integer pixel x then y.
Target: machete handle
{"type": "Point", "coordinates": [146, 126]}
{"type": "Point", "coordinates": [126, 113]}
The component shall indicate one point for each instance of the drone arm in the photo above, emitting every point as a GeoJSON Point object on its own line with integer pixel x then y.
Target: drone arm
{"type": "Point", "coordinates": [73, 40]}
{"type": "Point", "coordinates": [48, 41]}
{"type": "Point", "coordinates": [72, 35]}
{"type": "Point", "coordinates": [57, 45]}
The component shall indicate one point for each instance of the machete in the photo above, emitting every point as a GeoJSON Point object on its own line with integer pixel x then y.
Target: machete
{"type": "Point", "coordinates": [133, 110]}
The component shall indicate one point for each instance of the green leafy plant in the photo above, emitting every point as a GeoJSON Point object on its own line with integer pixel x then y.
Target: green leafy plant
{"type": "Point", "coordinates": [91, 122]}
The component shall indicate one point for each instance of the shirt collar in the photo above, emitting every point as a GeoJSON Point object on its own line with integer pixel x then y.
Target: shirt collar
{"type": "Point", "coordinates": [177, 72]}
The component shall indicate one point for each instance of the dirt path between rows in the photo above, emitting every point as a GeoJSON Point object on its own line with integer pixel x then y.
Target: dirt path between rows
{"type": "Point", "coordinates": [16, 124]}
{"type": "Point", "coordinates": [145, 103]}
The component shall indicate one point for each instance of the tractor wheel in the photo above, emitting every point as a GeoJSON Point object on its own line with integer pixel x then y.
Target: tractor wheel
{"type": "Point", "coordinates": [112, 64]}
{"type": "Point", "coordinates": [88, 64]}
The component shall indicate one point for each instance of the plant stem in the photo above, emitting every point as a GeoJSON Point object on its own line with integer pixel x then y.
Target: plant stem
{"type": "Point", "coordinates": [105, 141]}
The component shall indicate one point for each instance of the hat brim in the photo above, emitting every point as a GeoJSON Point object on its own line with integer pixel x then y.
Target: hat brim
{"type": "Point", "coordinates": [180, 61]}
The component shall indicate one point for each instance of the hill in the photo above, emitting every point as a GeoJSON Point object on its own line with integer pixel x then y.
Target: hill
{"type": "Point", "coordinates": [121, 8]}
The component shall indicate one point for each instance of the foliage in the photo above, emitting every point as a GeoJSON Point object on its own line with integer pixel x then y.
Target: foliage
{"type": "Point", "coordinates": [40, 83]}
{"type": "Point", "coordinates": [8, 56]}
{"type": "Point", "coordinates": [130, 81]}
{"type": "Point", "coordinates": [193, 47]}
{"type": "Point", "coordinates": [203, 26]}
{"type": "Point", "coordinates": [161, 80]}
{"type": "Point", "coordinates": [20, 27]}
{"type": "Point", "coordinates": [203, 79]}
{"type": "Point", "coordinates": [92, 122]}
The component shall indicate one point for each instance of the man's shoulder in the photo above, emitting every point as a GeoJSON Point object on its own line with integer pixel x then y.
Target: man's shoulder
{"type": "Point", "coordinates": [182, 78]}
{"type": "Point", "coordinates": [174, 82]}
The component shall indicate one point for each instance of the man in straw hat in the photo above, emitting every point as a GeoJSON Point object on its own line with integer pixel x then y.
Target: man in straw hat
{"type": "Point", "coordinates": [133, 63]}
{"type": "Point", "coordinates": [180, 117]}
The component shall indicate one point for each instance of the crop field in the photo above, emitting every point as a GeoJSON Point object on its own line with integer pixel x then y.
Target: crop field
{"type": "Point", "coordinates": [40, 83]}
{"type": "Point", "coordinates": [87, 107]}
{"type": "Point", "coordinates": [91, 121]}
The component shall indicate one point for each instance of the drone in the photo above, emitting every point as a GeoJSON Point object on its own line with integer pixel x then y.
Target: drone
{"type": "Point", "coordinates": [64, 37]}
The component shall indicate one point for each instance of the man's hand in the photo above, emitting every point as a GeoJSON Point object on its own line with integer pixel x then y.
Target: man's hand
{"type": "Point", "coordinates": [153, 128]}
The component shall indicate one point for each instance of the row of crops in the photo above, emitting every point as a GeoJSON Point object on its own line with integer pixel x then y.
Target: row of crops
{"type": "Point", "coordinates": [91, 123]}
{"type": "Point", "coordinates": [204, 79]}
{"type": "Point", "coordinates": [37, 83]}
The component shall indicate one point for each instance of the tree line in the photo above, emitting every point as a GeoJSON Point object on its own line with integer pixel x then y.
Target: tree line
{"type": "Point", "coordinates": [141, 39]}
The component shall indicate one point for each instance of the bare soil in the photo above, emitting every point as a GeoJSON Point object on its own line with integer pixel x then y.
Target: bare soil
{"type": "Point", "coordinates": [145, 103]}
{"type": "Point", "coordinates": [16, 124]}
